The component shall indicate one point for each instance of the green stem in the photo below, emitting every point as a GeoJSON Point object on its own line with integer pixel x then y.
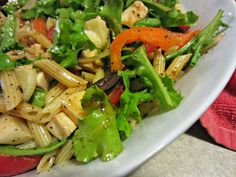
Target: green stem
{"type": "Point", "coordinates": [158, 5]}
{"type": "Point", "coordinates": [12, 150]}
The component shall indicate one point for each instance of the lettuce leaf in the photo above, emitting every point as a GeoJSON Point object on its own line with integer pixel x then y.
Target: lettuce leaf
{"type": "Point", "coordinates": [97, 135]}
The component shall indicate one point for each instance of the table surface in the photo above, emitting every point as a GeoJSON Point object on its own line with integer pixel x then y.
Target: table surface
{"type": "Point", "coordinates": [193, 154]}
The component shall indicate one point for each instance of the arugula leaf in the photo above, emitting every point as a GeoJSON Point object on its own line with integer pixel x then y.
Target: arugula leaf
{"type": "Point", "coordinates": [203, 39]}
{"type": "Point", "coordinates": [168, 15]}
{"type": "Point", "coordinates": [158, 89]}
{"type": "Point", "coordinates": [8, 39]}
{"type": "Point", "coordinates": [129, 102]}
{"type": "Point", "coordinates": [154, 89]}
{"type": "Point", "coordinates": [22, 2]}
{"type": "Point", "coordinates": [169, 3]}
{"type": "Point", "coordinates": [97, 135]}
{"type": "Point", "coordinates": [69, 36]}
{"type": "Point", "coordinates": [29, 14]}
{"type": "Point", "coordinates": [11, 7]}
{"type": "Point", "coordinates": [86, 5]}
{"type": "Point", "coordinates": [6, 63]}
{"type": "Point", "coordinates": [70, 59]}
{"type": "Point", "coordinates": [112, 9]}
{"type": "Point", "coordinates": [42, 8]}
{"type": "Point", "coordinates": [112, 12]}
{"type": "Point", "coordinates": [151, 22]}
{"type": "Point", "coordinates": [175, 18]}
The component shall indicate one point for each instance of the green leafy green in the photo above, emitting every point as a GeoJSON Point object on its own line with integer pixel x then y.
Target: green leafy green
{"type": "Point", "coordinates": [8, 37]}
{"type": "Point", "coordinates": [6, 63]}
{"type": "Point", "coordinates": [111, 12]}
{"type": "Point", "coordinates": [12, 150]}
{"type": "Point", "coordinates": [144, 69]}
{"type": "Point", "coordinates": [28, 14]}
{"type": "Point", "coordinates": [38, 97]}
{"type": "Point", "coordinates": [69, 36]}
{"type": "Point", "coordinates": [112, 9]}
{"type": "Point", "coordinates": [42, 8]}
{"type": "Point", "coordinates": [156, 6]}
{"type": "Point", "coordinates": [22, 2]}
{"type": "Point", "coordinates": [97, 135]}
{"type": "Point", "coordinates": [154, 89]}
{"type": "Point", "coordinates": [85, 5]}
{"type": "Point", "coordinates": [150, 22]}
{"type": "Point", "coordinates": [175, 18]}
{"type": "Point", "coordinates": [168, 15]}
{"type": "Point", "coordinates": [169, 3]}
{"type": "Point", "coordinates": [203, 39]}
{"type": "Point", "coordinates": [10, 8]}
{"type": "Point", "coordinates": [129, 102]}
{"type": "Point", "coordinates": [21, 62]}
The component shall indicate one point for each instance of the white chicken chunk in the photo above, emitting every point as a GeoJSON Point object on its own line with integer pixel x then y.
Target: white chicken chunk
{"type": "Point", "coordinates": [97, 32]}
{"type": "Point", "coordinates": [13, 130]}
{"type": "Point", "coordinates": [134, 13]}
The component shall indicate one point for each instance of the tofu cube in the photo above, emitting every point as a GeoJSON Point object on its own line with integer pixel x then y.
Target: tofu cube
{"type": "Point", "coordinates": [134, 13]}
{"type": "Point", "coordinates": [61, 126]}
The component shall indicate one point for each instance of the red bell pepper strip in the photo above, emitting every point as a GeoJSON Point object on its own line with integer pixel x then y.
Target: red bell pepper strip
{"type": "Point", "coordinates": [158, 37]}
{"type": "Point", "coordinates": [50, 33]}
{"type": "Point", "coordinates": [14, 165]}
{"type": "Point", "coordinates": [39, 24]}
{"type": "Point", "coordinates": [184, 28]}
{"type": "Point", "coordinates": [150, 48]}
{"type": "Point", "coordinates": [116, 93]}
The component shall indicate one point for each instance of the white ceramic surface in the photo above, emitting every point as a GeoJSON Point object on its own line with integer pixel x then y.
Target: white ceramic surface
{"type": "Point", "coordinates": [200, 87]}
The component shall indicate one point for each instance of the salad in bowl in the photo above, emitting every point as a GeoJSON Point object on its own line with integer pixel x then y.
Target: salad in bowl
{"type": "Point", "coordinates": [77, 77]}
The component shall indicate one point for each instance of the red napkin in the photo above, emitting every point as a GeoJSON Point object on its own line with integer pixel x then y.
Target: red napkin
{"type": "Point", "coordinates": [220, 118]}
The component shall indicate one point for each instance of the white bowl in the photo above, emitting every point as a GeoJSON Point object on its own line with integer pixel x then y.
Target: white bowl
{"type": "Point", "coordinates": [200, 87]}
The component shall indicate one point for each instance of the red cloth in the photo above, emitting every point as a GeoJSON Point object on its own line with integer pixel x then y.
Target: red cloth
{"type": "Point", "coordinates": [220, 118]}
